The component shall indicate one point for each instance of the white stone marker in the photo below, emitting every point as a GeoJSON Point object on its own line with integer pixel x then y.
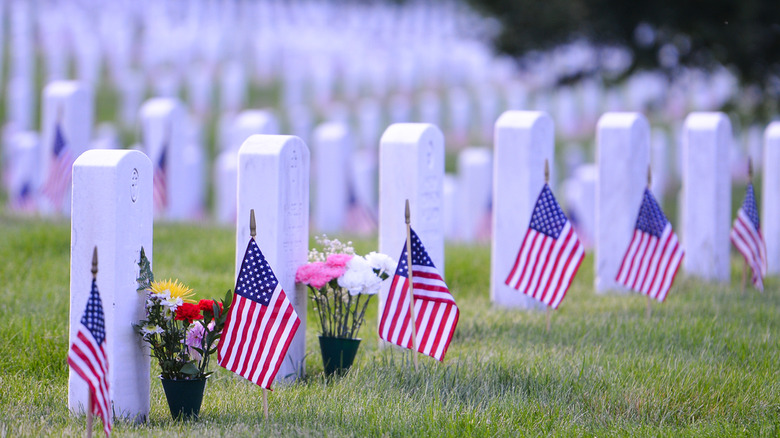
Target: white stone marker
{"type": "Point", "coordinates": [69, 105]}
{"type": "Point", "coordinates": [770, 202]}
{"type": "Point", "coordinates": [622, 157]}
{"type": "Point", "coordinates": [411, 166]}
{"type": "Point", "coordinates": [21, 170]}
{"type": "Point", "coordinates": [273, 179]}
{"type": "Point", "coordinates": [475, 174]}
{"type": "Point", "coordinates": [580, 195]}
{"type": "Point", "coordinates": [523, 141]}
{"type": "Point", "coordinates": [164, 130]}
{"type": "Point", "coordinates": [449, 207]}
{"type": "Point", "coordinates": [332, 154]}
{"type": "Point", "coordinates": [112, 209]}
{"type": "Point", "coordinates": [245, 124]}
{"type": "Point", "coordinates": [706, 195]}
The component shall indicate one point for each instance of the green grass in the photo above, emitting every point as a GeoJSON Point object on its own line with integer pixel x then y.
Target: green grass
{"type": "Point", "coordinates": [705, 364]}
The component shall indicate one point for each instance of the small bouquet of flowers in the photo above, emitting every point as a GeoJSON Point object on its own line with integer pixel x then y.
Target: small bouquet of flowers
{"type": "Point", "coordinates": [338, 279]}
{"type": "Point", "coordinates": [182, 334]}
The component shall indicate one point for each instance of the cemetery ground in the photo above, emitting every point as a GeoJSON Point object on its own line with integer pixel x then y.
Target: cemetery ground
{"type": "Point", "coordinates": [704, 364]}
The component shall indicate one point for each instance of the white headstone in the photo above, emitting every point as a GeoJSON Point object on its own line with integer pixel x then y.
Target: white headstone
{"type": "Point", "coordinates": [400, 109]}
{"type": "Point", "coordinates": [131, 89]}
{"type": "Point", "coordinates": [622, 157]}
{"type": "Point", "coordinates": [659, 159]}
{"type": "Point", "coordinates": [332, 153]}
{"type": "Point", "coordinates": [21, 171]}
{"type": "Point", "coordinates": [459, 115]}
{"type": "Point", "coordinates": [475, 174]}
{"type": "Point", "coordinates": [165, 127]}
{"type": "Point", "coordinates": [245, 124]}
{"type": "Point", "coordinates": [770, 202]}
{"type": "Point", "coordinates": [580, 195]}
{"type": "Point", "coordinates": [450, 202]}
{"type": "Point", "coordinates": [523, 141]}
{"type": "Point", "coordinates": [67, 105]}
{"type": "Point", "coordinates": [273, 179]}
{"type": "Point", "coordinates": [429, 109]}
{"type": "Point", "coordinates": [411, 166]}
{"type": "Point", "coordinates": [369, 122]}
{"type": "Point", "coordinates": [112, 209]}
{"type": "Point", "coordinates": [233, 89]}
{"type": "Point", "coordinates": [706, 195]}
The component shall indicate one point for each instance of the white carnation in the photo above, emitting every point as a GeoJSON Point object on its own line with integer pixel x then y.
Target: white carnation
{"type": "Point", "coordinates": [359, 278]}
{"type": "Point", "coordinates": [381, 262]}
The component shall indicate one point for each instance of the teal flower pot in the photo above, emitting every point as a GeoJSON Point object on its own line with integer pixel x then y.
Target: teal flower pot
{"type": "Point", "coordinates": [184, 397]}
{"type": "Point", "coordinates": [338, 354]}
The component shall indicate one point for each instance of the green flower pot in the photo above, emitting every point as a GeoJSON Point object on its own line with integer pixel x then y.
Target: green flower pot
{"type": "Point", "coordinates": [338, 354]}
{"type": "Point", "coordinates": [184, 397]}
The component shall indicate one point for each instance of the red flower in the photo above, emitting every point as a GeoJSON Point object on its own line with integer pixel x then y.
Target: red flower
{"type": "Point", "coordinates": [188, 312]}
{"type": "Point", "coordinates": [208, 306]}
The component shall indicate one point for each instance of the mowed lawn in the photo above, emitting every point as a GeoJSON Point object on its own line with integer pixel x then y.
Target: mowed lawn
{"type": "Point", "coordinates": [706, 363]}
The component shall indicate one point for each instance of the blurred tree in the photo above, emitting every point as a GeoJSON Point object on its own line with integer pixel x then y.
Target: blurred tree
{"type": "Point", "coordinates": [666, 35]}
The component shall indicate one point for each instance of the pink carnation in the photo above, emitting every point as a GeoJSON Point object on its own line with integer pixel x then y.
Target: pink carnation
{"type": "Point", "coordinates": [338, 261]}
{"type": "Point", "coordinates": [318, 274]}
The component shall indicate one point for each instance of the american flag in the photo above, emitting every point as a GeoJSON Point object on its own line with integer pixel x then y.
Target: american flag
{"type": "Point", "coordinates": [550, 254]}
{"type": "Point", "coordinates": [160, 184]}
{"type": "Point", "coordinates": [746, 236]}
{"type": "Point", "coordinates": [59, 176]}
{"type": "Point", "coordinates": [654, 254]}
{"type": "Point", "coordinates": [87, 357]}
{"type": "Point", "coordinates": [23, 200]}
{"type": "Point", "coordinates": [261, 324]}
{"type": "Point", "coordinates": [436, 314]}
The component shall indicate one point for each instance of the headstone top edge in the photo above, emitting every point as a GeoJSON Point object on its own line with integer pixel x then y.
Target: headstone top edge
{"type": "Point", "coordinates": [705, 120]}
{"type": "Point", "coordinates": [331, 129]}
{"type": "Point", "coordinates": [622, 119]}
{"type": "Point", "coordinates": [410, 132]}
{"type": "Point", "coordinates": [160, 105]}
{"type": "Point", "coordinates": [773, 129]}
{"type": "Point", "coordinates": [268, 143]}
{"type": "Point", "coordinates": [521, 118]}
{"type": "Point", "coordinates": [109, 157]}
{"type": "Point", "coordinates": [476, 154]}
{"type": "Point", "coordinates": [63, 87]}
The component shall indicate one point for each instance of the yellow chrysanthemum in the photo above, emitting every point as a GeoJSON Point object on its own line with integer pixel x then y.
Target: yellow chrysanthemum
{"type": "Point", "coordinates": [176, 289]}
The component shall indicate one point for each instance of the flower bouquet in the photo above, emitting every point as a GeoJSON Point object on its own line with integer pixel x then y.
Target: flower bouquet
{"type": "Point", "coordinates": [182, 335]}
{"type": "Point", "coordinates": [341, 284]}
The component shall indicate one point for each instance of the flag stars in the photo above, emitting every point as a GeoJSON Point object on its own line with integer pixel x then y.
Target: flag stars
{"type": "Point", "coordinates": [256, 281]}
{"type": "Point", "coordinates": [547, 217]}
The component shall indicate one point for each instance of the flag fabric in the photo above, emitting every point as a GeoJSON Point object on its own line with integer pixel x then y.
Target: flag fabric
{"type": "Point", "coordinates": [160, 183]}
{"type": "Point", "coordinates": [23, 200]}
{"type": "Point", "coordinates": [550, 254]}
{"type": "Point", "coordinates": [436, 314]}
{"type": "Point", "coordinates": [654, 254]}
{"type": "Point", "coordinates": [87, 357]}
{"type": "Point", "coordinates": [261, 323]}
{"type": "Point", "coordinates": [60, 168]}
{"type": "Point", "coordinates": [746, 236]}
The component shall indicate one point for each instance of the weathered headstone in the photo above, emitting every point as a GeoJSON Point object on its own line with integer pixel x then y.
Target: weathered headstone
{"type": "Point", "coordinates": [770, 202]}
{"type": "Point", "coordinates": [523, 141]}
{"type": "Point", "coordinates": [622, 157]}
{"type": "Point", "coordinates": [112, 209]}
{"type": "Point", "coordinates": [475, 174]}
{"type": "Point", "coordinates": [332, 153]}
{"type": "Point", "coordinates": [164, 126]}
{"type": "Point", "coordinates": [706, 195]}
{"type": "Point", "coordinates": [273, 179]}
{"type": "Point", "coordinates": [66, 132]}
{"type": "Point", "coordinates": [411, 166]}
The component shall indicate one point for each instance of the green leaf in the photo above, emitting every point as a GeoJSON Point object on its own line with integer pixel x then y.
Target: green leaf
{"type": "Point", "coordinates": [190, 369]}
{"type": "Point", "coordinates": [145, 275]}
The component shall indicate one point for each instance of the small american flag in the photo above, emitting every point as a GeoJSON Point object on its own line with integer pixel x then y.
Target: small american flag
{"type": "Point", "coordinates": [160, 184]}
{"type": "Point", "coordinates": [654, 254]}
{"type": "Point", "coordinates": [59, 175]}
{"type": "Point", "coordinates": [436, 314]}
{"type": "Point", "coordinates": [550, 254]}
{"type": "Point", "coordinates": [87, 357]}
{"type": "Point", "coordinates": [261, 324]}
{"type": "Point", "coordinates": [23, 200]}
{"type": "Point", "coordinates": [746, 236]}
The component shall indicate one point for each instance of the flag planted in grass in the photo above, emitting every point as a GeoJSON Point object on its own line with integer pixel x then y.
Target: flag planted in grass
{"type": "Point", "coordinates": [160, 181]}
{"type": "Point", "coordinates": [435, 312]}
{"type": "Point", "coordinates": [87, 357]}
{"type": "Point", "coordinates": [550, 254]}
{"type": "Point", "coordinates": [59, 175]}
{"type": "Point", "coordinates": [261, 323]}
{"type": "Point", "coordinates": [654, 254]}
{"type": "Point", "coordinates": [746, 237]}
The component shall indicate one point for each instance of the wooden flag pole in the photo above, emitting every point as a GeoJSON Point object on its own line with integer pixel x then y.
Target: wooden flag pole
{"type": "Point", "coordinates": [91, 395]}
{"type": "Point", "coordinates": [548, 315]}
{"type": "Point", "coordinates": [411, 285]}
{"type": "Point", "coordinates": [253, 233]}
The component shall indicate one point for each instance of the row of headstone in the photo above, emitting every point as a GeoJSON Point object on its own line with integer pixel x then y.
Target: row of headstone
{"type": "Point", "coordinates": [273, 179]}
